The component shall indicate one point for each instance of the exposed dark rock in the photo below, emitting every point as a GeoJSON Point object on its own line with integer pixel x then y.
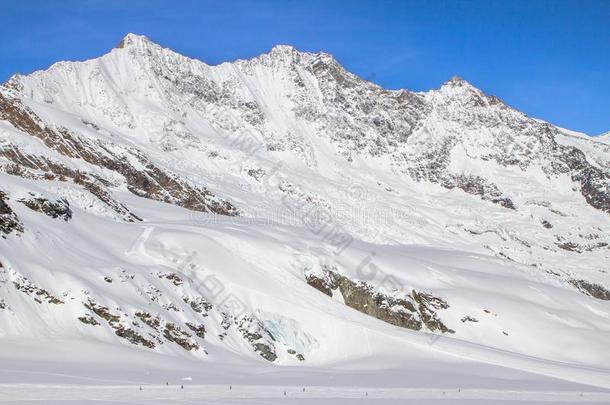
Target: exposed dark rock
{"type": "Point", "coordinates": [363, 298]}
{"type": "Point", "coordinates": [9, 221]}
{"type": "Point", "coordinates": [173, 277]}
{"type": "Point", "coordinates": [173, 333]}
{"type": "Point", "coordinates": [298, 356]}
{"type": "Point", "coordinates": [428, 305]}
{"type": "Point", "coordinates": [152, 321]}
{"type": "Point", "coordinates": [39, 294]}
{"type": "Point", "coordinates": [320, 284]}
{"type": "Point", "coordinates": [257, 174]}
{"type": "Point", "coordinates": [227, 321]}
{"type": "Point", "coordinates": [594, 183]}
{"type": "Point", "coordinates": [199, 305]}
{"type": "Point", "coordinates": [261, 340]}
{"type": "Point", "coordinates": [199, 329]}
{"type": "Point", "coordinates": [171, 307]}
{"type": "Point", "coordinates": [547, 224]}
{"type": "Point", "coordinates": [578, 248]}
{"type": "Point", "coordinates": [592, 289]}
{"type": "Point", "coordinates": [433, 166]}
{"type": "Point", "coordinates": [90, 124]}
{"type": "Point", "coordinates": [105, 197]}
{"type": "Point", "coordinates": [102, 312]}
{"type": "Point", "coordinates": [478, 186]}
{"type": "Point", "coordinates": [570, 247]}
{"type": "Point", "coordinates": [114, 321]}
{"type": "Point", "coordinates": [265, 351]}
{"type": "Point", "coordinates": [88, 320]}
{"type": "Point", "coordinates": [469, 319]}
{"type": "Point", "coordinates": [411, 311]}
{"type": "Point", "coordinates": [58, 209]}
{"type": "Point", "coordinates": [507, 257]}
{"type": "Point", "coordinates": [133, 337]}
{"type": "Point", "coordinates": [598, 245]}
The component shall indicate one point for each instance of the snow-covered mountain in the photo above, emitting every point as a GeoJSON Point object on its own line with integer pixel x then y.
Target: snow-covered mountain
{"type": "Point", "coordinates": [605, 137]}
{"type": "Point", "coordinates": [281, 211]}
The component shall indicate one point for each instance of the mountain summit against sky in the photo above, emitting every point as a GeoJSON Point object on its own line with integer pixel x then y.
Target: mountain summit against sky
{"type": "Point", "coordinates": [271, 95]}
{"type": "Point", "coordinates": [281, 211]}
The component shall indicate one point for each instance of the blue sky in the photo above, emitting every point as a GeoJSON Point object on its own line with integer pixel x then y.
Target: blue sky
{"type": "Point", "coordinates": [550, 59]}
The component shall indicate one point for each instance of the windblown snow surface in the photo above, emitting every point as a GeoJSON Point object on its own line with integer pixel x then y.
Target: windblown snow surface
{"type": "Point", "coordinates": [277, 230]}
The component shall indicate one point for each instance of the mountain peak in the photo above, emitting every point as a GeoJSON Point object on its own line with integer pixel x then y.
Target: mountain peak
{"type": "Point", "coordinates": [458, 86]}
{"type": "Point", "coordinates": [284, 49]}
{"type": "Point", "coordinates": [457, 81]}
{"type": "Point", "coordinates": [285, 52]}
{"type": "Point", "coordinates": [133, 40]}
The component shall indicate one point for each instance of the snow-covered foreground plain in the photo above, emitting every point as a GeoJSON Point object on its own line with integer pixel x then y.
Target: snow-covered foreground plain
{"type": "Point", "coordinates": [278, 224]}
{"type": "Point", "coordinates": [222, 394]}
{"type": "Point", "coordinates": [78, 372]}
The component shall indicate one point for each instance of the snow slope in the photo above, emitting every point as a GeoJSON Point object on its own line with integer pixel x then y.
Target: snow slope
{"type": "Point", "coordinates": [287, 223]}
{"type": "Point", "coordinates": [604, 137]}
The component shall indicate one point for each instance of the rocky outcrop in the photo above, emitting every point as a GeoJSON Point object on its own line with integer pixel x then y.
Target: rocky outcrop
{"type": "Point", "coordinates": [324, 283]}
{"type": "Point", "coordinates": [433, 165]}
{"type": "Point", "coordinates": [173, 277]}
{"type": "Point", "coordinates": [157, 329]}
{"type": "Point", "coordinates": [592, 289]}
{"type": "Point", "coordinates": [114, 321]}
{"type": "Point", "coordinates": [428, 306]}
{"type": "Point", "coordinates": [480, 187]}
{"type": "Point", "coordinates": [146, 180]}
{"type": "Point", "coordinates": [104, 196]}
{"type": "Point", "coordinates": [170, 331]}
{"type": "Point", "coordinates": [580, 248]}
{"type": "Point", "coordinates": [152, 321]}
{"type": "Point", "coordinates": [133, 337]}
{"type": "Point", "coordinates": [298, 356]}
{"type": "Point", "coordinates": [594, 186]}
{"type": "Point", "coordinates": [39, 294]}
{"type": "Point", "coordinates": [9, 221]}
{"type": "Point", "coordinates": [198, 329]}
{"type": "Point", "coordinates": [88, 320]}
{"type": "Point", "coordinates": [412, 311]}
{"type": "Point", "coordinates": [58, 209]}
{"type": "Point", "coordinates": [255, 333]}
{"type": "Point", "coordinates": [30, 166]}
{"type": "Point", "coordinates": [199, 304]}
{"type": "Point", "coordinates": [175, 334]}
